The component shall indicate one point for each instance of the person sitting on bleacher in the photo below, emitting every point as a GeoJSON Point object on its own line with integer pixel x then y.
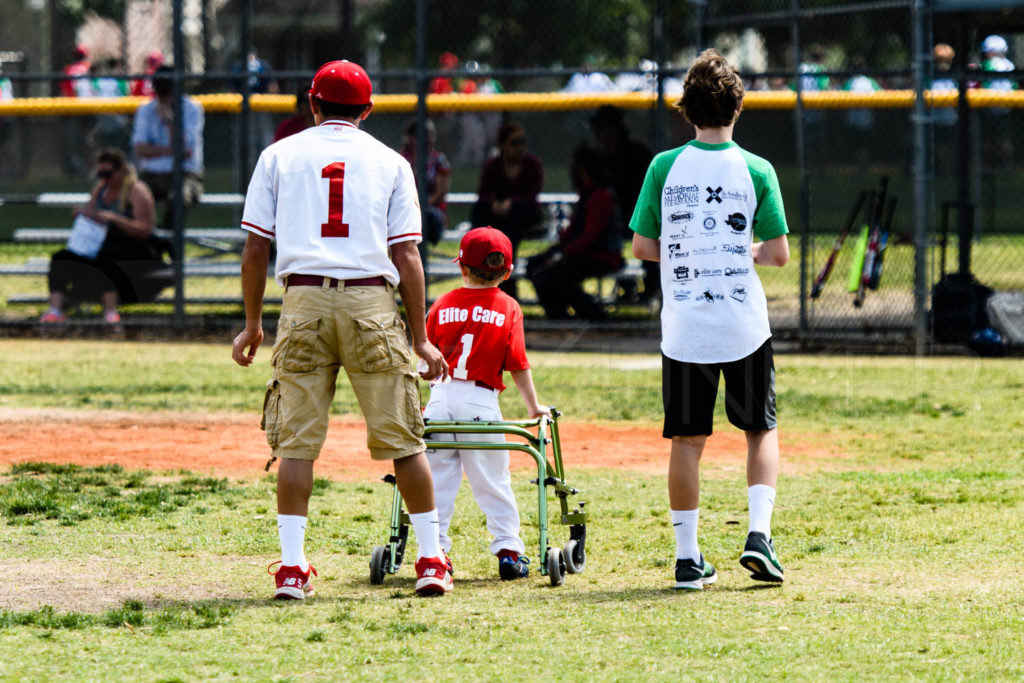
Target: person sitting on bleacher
{"type": "Point", "coordinates": [591, 245]}
{"type": "Point", "coordinates": [112, 253]}
{"type": "Point", "coordinates": [507, 194]}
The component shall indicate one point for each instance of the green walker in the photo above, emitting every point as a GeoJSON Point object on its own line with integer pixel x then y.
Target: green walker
{"type": "Point", "coordinates": [555, 562]}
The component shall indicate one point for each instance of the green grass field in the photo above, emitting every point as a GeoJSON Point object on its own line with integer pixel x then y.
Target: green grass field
{"type": "Point", "coordinates": [898, 541]}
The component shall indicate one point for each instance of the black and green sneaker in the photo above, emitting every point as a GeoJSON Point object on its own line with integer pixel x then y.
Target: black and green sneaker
{"type": "Point", "coordinates": [693, 576]}
{"type": "Point", "coordinates": [760, 560]}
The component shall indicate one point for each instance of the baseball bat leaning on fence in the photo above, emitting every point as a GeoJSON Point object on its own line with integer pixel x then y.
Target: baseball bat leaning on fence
{"type": "Point", "coordinates": [883, 242]}
{"type": "Point", "coordinates": [860, 246]}
{"type": "Point", "coordinates": [873, 235]}
{"type": "Point", "coordinates": [819, 282]}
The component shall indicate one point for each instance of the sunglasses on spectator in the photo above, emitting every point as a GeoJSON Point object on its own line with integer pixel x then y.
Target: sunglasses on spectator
{"type": "Point", "coordinates": [517, 142]}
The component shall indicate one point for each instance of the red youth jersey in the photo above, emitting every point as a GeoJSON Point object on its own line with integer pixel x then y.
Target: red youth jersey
{"type": "Point", "coordinates": [480, 333]}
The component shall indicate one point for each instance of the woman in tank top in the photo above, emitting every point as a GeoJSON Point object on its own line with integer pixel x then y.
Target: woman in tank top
{"type": "Point", "coordinates": [121, 269]}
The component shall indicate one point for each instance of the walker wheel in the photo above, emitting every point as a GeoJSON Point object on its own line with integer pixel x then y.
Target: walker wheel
{"type": "Point", "coordinates": [556, 566]}
{"type": "Point", "coordinates": [575, 556]}
{"type": "Point", "coordinates": [377, 562]}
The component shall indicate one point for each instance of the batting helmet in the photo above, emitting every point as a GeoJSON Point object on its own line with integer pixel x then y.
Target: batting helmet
{"type": "Point", "coordinates": [342, 82]}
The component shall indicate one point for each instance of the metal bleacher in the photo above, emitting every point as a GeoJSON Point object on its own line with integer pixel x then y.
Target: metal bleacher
{"type": "Point", "coordinates": [223, 241]}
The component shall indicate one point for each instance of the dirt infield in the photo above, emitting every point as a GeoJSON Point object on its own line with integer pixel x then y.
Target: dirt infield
{"type": "Point", "coordinates": [233, 445]}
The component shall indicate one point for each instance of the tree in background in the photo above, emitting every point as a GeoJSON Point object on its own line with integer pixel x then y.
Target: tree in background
{"type": "Point", "coordinates": [518, 33]}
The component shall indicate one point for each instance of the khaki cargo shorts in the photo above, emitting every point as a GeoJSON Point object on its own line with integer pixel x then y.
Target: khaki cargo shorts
{"type": "Point", "coordinates": [321, 330]}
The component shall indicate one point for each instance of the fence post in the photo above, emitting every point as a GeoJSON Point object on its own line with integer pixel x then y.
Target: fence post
{"type": "Point", "coordinates": [921, 121]}
{"type": "Point", "coordinates": [245, 121]}
{"type": "Point", "coordinates": [178, 174]}
{"type": "Point", "coordinates": [660, 58]}
{"type": "Point", "coordinates": [801, 160]}
{"type": "Point", "coordinates": [421, 123]}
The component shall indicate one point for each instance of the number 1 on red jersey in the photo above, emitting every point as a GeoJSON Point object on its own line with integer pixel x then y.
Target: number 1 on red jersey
{"type": "Point", "coordinates": [335, 226]}
{"type": "Point", "coordinates": [460, 371]}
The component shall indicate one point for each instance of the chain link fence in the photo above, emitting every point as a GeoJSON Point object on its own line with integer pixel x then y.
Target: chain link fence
{"type": "Point", "coordinates": [830, 103]}
{"type": "Point", "coordinates": [855, 128]}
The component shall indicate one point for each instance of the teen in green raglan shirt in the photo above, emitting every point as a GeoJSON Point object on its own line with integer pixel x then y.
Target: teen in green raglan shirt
{"type": "Point", "coordinates": [698, 211]}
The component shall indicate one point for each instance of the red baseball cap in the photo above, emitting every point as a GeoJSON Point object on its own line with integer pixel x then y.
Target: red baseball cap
{"type": "Point", "coordinates": [479, 243]}
{"type": "Point", "coordinates": [342, 82]}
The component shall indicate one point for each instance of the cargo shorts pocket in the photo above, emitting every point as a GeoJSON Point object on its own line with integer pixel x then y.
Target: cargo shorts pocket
{"type": "Point", "coordinates": [271, 422]}
{"type": "Point", "coordinates": [295, 348]}
{"type": "Point", "coordinates": [381, 343]}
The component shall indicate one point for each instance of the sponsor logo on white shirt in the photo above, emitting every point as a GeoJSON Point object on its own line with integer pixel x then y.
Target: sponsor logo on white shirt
{"type": "Point", "coordinates": [681, 195]}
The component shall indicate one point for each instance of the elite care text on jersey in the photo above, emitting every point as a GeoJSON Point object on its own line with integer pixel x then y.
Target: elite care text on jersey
{"type": "Point", "coordinates": [454, 314]}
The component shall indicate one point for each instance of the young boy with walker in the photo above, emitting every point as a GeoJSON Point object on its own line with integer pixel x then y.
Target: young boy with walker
{"type": "Point", "coordinates": [698, 211]}
{"type": "Point", "coordinates": [479, 330]}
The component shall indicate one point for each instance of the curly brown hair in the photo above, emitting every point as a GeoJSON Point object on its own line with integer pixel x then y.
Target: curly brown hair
{"type": "Point", "coordinates": [712, 92]}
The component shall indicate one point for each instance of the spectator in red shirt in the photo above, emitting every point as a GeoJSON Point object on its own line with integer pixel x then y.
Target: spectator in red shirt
{"type": "Point", "coordinates": [300, 120]}
{"type": "Point", "coordinates": [76, 72]}
{"type": "Point", "coordinates": [591, 246]}
{"type": "Point", "coordinates": [144, 86]}
{"type": "Point", "coordinates": [444, 85]}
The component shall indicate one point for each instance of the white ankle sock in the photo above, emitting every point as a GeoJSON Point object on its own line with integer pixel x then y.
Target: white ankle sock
{"type": "Point", "coordinates": [761, 502]}
{"type": "Point", "coordinates": [425, 526]}
{"type": "Point", "coordinates": [684, 523]}
{"type": "Point", "coordinates": [292, 530]}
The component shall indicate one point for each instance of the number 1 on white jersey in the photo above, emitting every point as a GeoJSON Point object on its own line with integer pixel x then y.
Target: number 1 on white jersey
{"type": "Point", "coordinates": [335, 225]}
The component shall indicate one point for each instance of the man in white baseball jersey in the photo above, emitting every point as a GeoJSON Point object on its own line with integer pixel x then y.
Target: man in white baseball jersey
{"type": "Point", "coordinates": [479, 329]}
{"type": "Point", "coordinates": [337, 201]}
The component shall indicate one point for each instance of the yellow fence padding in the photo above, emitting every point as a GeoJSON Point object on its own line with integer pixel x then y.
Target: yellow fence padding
{"type": "Point", "coordinates": [231, 103]}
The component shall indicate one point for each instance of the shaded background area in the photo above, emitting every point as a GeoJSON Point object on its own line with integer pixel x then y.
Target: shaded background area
{"type": "Point", "coordinates": [825, 152]}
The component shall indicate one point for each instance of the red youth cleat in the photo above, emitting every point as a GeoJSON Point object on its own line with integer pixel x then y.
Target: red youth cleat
{"type": "Point", "coordinates": [292, 582]}
{"type": "Point", "coordinates": [433, 576]}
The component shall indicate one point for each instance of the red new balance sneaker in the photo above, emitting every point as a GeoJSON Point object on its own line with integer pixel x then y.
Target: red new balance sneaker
{"type": "Point", "coordinates": [292, 582]}
{"type": "Point", "coordinates": [433, 576]}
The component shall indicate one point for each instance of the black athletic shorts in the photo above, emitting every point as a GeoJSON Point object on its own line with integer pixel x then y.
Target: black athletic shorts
{"type": "Point", "coordinates": [689, 391]}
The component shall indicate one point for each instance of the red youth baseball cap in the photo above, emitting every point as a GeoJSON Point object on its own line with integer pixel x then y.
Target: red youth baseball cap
{"type": "Point", "coordinates": [479, 243]}
{"type": "Point", "coordinates": [342, 82]}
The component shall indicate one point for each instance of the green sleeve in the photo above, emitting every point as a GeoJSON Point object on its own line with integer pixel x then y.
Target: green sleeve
{"type": "Point", "coordinates": [646, 219]}
{"type": "Point", "coordinates": [770, 215]}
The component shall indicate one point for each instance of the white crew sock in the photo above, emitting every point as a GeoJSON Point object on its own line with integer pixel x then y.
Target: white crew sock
{"type": "Point", "coordinates": [761, 502]}
{"type": "Point", "coordinates": [684, 523]}
{"type": "Point", "coordinates": [292, 530]}
{"type": "Point", "coordinates": [426, 528]}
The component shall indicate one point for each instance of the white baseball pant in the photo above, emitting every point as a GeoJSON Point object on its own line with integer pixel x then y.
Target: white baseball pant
{"type": "Point", "coordinates": [486, 470]}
